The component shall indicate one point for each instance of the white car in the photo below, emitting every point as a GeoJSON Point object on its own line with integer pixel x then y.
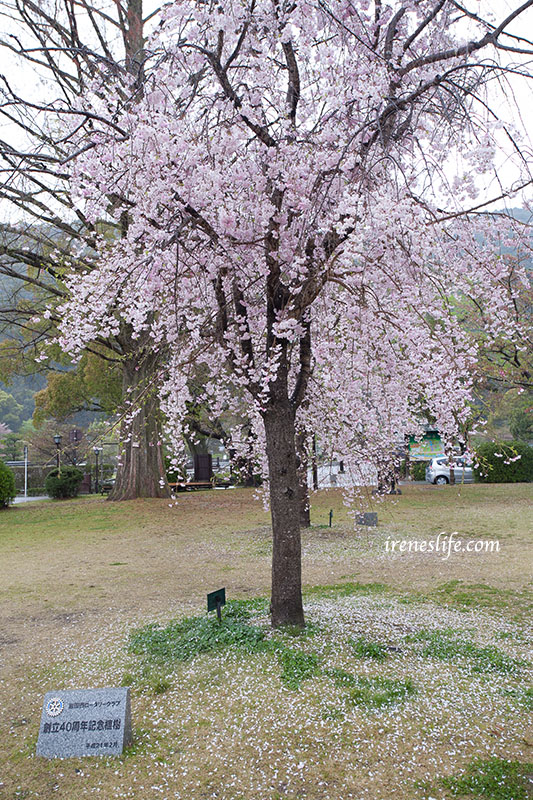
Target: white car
{"type": "Point", "coordinates": [438, 470]}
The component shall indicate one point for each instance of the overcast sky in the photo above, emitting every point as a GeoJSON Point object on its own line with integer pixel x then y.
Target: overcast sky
{"type": "Point", "coordinates": [515, 107]}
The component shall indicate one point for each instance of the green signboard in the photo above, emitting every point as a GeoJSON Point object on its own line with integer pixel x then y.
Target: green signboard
{"type": "Point", "coordinates": [215, 600]}
{"type": "Point", "coordinates": [429, 446]}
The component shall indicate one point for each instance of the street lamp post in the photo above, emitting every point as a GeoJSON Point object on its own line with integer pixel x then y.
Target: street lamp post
{"type": "Point", "coordinates": [25, 470]}
{"type": "Point", "coordinates": [74, 437]}
{"type": "Point", "coordinates": [97, 451]}
{"type": "Point", "coordinates": [57, 440]}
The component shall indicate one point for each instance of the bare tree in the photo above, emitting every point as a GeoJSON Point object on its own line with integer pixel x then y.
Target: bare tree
{"type": "Point", "coordinates": [48, 237]}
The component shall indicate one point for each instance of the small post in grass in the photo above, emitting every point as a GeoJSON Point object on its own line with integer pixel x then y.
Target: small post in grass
{"type": "Point", "coordinates": [215, 600]}
{"type": "Point", "coordinates": [330, 516]}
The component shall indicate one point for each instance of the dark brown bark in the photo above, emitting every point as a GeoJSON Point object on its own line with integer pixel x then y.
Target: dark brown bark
{"type": "Point", "coordinates": [141, 470]}
{"type": "Point", "coordinates": [134, 40]}
{"type": "Point", "coordinates": [286, 604]}
{"type": "Point", "coordinates": [303, 463]}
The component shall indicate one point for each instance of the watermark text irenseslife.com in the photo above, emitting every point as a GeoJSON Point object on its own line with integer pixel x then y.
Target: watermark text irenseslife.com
{"type": "Point", "coordinates": [443, 545]}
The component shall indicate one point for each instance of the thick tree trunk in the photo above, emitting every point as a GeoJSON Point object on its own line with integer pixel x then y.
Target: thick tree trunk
{"type": "Point", "coordinates": [141, 470]}
{"type": "Point", "coordinates": [198, 446]}
{"type": "Point", "coordinates": [303, 464]}
{"type": "Point", "coordinates": [286, 604]}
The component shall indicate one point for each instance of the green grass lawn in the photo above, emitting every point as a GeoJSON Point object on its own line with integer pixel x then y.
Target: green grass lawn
{"type": "Point", "coordinates": [412, 679]}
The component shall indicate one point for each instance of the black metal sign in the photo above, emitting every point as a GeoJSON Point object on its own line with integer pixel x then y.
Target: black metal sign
{"type": "Point", "coordinates": [215, 601]}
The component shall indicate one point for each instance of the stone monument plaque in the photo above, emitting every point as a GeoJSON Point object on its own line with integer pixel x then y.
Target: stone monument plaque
{"type": "Point", "coordinates": [369, 518]}
{"type": "Point", "coordinates": [85, 722]}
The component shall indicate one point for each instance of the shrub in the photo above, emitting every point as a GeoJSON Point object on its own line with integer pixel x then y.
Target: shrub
{"type": "Point", "coordinates": [64, 482]}
{"type": "Point", "coordinates": [497, 462]}
{"type": "Point", "coordinates": [187, 638]}
{"type": "Point", "coordinates": [7, 486]}
{"type": "Point", "coordinates": [418, 470]}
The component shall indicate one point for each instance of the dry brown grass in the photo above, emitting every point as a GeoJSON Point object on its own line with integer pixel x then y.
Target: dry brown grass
{"type": "Point", "coordinates": [77, 575]}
